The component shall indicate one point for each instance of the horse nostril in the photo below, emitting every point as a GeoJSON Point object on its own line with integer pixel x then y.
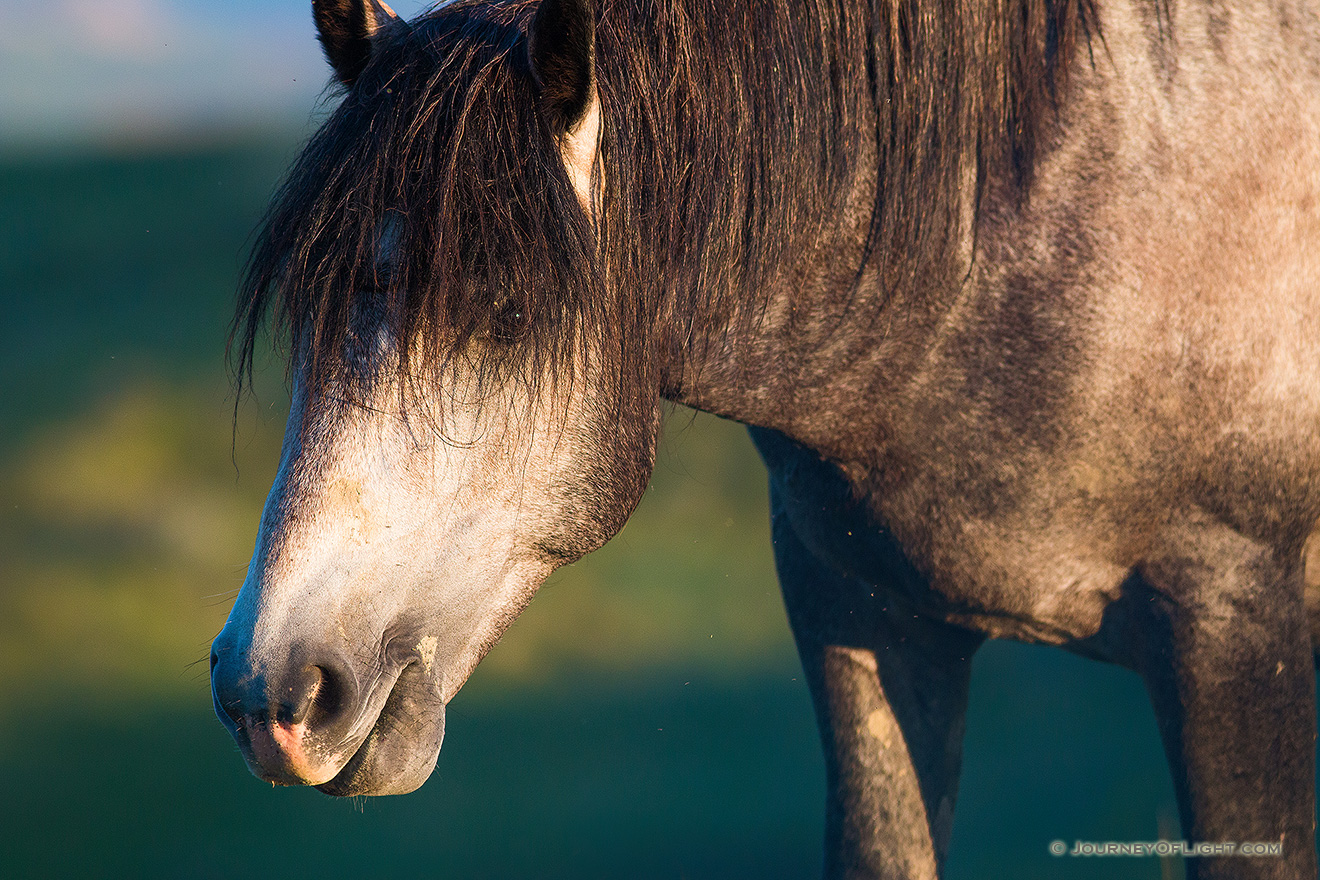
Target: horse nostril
{"type": "Point", "coordinates": [329, 700]}
{"type": "Point", "coordinates": [315, 696]}
{"type": "Point", "coordinates": [299, 696]}
{"type": "Point", "coordinates": [317, 691]}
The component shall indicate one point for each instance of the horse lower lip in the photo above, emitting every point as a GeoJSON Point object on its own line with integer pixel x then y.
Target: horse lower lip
{"type": "Point", "coordinates": [399, 752]}
{"type": "Point", "coordinates": [355, 761]}
{"type": "Point", "coordinates": [359, 756]}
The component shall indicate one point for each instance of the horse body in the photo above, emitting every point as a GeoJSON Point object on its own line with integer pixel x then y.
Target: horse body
{"type": "Point", "coordinates": [1120, 353]}
{"type": "Point", "coordinates": [1027, 334]}
{"type": "Point", "coordinates": [1107, 441]}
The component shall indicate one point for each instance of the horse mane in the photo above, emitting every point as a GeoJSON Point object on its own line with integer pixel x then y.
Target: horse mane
{"type": "Point", "coordinates": [731, 134]}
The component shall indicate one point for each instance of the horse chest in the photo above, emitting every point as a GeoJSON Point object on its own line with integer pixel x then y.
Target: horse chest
{"type": "Point", "coordinates": [1049, 584]}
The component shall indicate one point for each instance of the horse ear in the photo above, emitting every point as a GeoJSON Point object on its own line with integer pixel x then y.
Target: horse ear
{"type": "Point", "coordinates": [346, 28]}
{"type": "Point", "coordinates": [561, 48]}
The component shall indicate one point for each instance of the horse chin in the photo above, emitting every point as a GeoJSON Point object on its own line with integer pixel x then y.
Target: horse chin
{"type": "Point", "coordinates": [398, 754]}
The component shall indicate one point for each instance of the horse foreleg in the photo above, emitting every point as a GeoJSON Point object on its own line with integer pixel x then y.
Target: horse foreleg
{"type": "Point", "coordinates": [890, 694]}
{"type": "Point", "coordinates": [1311, 568]}
{"type": "Point", "coordinates": [1228, 663]}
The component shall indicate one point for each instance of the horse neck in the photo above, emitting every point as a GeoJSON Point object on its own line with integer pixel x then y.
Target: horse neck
{"type": "Point", "coordinates": [744, 167]}
{"type": "Point", "coordinates": [826, 360]}
{"type": "Point", "coordinates": [822, 353]}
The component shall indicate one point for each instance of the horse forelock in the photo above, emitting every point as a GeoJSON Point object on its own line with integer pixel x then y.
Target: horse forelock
{"type": "Point", "coordinates": [431, 208]}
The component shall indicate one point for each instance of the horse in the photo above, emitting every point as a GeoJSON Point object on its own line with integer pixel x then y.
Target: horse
{"type": "Point", "coordinates": [1020, 300]}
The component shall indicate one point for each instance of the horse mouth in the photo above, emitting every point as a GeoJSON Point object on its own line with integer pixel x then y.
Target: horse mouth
{"type": "Point", "coordinates": [401, 749]}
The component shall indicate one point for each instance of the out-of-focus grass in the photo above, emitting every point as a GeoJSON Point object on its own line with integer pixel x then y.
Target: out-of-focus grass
{"type": "Point", "coordinates": [127, 531]}
{"type": "Point", "coordinates": [121, 513]}
{"type": "Point", "coordinates": [118, 267]}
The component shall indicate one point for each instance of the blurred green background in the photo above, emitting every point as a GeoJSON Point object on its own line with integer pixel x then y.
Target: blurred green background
{"type": "Point", "coordinates": [644, 718]}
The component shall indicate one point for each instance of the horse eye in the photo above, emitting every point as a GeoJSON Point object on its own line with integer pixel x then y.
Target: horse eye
{"type": "Point", "coordinates": [509, 322]}
{"type": "Point", "coordinates": [379, 280]}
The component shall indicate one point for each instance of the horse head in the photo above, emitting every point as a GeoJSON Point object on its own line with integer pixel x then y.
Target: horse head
{"type": "Point", "coordinates": [464, 417]}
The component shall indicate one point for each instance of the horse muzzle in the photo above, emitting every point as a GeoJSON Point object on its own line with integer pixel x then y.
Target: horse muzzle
{"type": "Point", "coordinates": [311, 717]}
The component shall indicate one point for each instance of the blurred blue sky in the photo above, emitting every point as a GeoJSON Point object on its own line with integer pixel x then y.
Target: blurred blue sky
{"type": "Point", "coordinates": [143, 70]}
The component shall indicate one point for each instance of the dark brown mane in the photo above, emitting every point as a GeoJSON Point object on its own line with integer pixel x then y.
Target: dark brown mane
{"type": "Point", "coordinates": [732, 132]}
